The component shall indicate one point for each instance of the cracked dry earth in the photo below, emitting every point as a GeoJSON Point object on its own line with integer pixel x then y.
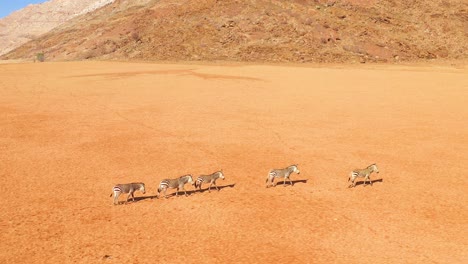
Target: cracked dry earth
{"type": "Point", "coordinates": [69, 131]}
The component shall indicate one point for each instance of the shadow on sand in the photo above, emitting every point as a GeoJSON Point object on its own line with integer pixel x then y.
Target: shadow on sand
{"type": "Point", "coordinates": [289, 183]}
{"type": "Point", "coordinates": [213, 188]}
{"type": "Point", "coordinates": [181, 193]}
{"type": "Point", "coordinates": [367, 183]}
{"type": "Point", "coordinates": [139, 198]}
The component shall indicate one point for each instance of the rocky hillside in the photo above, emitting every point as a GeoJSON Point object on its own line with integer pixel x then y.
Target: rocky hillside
{"type": "Point", "coordinates": [34, 20]}
{"type": "Point", "coordinates": [261, 31]}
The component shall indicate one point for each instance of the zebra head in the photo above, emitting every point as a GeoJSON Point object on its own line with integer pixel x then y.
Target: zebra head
{"type": "Point", "coordinates": [142, 188]}
{"type": "Point", "coordinates": [190, 179]}
{"type": "Point", "coordinates": [220, 174]}
{"type": "Point", "coordinates": [374, 168]}
{"type": "Point", "coordinates": [295, 169]}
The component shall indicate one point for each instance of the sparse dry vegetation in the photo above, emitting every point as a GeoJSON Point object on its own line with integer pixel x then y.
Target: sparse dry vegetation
{"type": "Point", "coordinates": [40, 57]}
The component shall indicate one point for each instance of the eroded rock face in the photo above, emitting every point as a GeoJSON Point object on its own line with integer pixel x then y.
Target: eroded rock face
{"type": "Point", "coordinates": [305, 31]}
{"type": "Point", "coordinates": [34, 20]}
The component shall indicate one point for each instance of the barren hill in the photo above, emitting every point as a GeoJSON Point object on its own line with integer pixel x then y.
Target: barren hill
{"type": "Point", "coordinates": [36, 19]}
{"type": "Point", "coordinates": [261, 30]}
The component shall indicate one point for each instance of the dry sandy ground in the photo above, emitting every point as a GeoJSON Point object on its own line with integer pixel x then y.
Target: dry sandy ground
{"type": "Point", "coordinates": [70, 131]}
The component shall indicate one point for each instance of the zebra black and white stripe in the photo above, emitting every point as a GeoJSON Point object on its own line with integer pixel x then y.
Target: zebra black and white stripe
{"type": "Point", "coordinates": [209, 179]}
{"type": "Point", "coordinates": [364, 173]}
{"type": "Point", "coordinates": [174, 183]}
{"type": "Point", "coordinates": [281, 173]}
{"type": "Point", "coordinates": [129, 188]}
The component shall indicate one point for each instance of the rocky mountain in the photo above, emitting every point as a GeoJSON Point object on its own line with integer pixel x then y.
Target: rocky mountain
{"type": "Point", "coordinates": [36, 19]}
{"type": "Point", "coordinates": [261, 31]}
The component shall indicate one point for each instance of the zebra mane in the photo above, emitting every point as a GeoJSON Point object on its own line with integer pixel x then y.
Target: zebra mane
{"type": "Point", "coordinates": [185, 176]}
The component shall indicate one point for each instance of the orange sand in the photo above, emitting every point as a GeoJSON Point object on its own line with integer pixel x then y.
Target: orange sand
{"type": "Point", "coordinates": [69, 131]}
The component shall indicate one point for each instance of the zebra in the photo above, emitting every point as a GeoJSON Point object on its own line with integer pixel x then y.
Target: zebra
{"type": "Point", "coordinates": [281, 173]}
{"type": "Point", "coordinates": [209, 178]}
{"type": "Point", "coordinates": [365, 173]}
{"type": "Point", "coordinates": [129, 188]}
{"type": "Point", "coordinates": [174, 183]}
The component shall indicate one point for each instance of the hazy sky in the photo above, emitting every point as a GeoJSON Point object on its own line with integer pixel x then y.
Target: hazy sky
{"type": "Point", "coordinates": [8, 6]}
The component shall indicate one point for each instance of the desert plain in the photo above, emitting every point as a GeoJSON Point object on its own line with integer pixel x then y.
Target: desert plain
{"type": "Point", "coordinates": [69, 131]}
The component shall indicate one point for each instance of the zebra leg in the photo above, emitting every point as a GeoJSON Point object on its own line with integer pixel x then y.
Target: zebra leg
{"type": "Point", "coordinates": [116, 198]}
{"type": "Point", "coordinates": [177, 192]}
{"type": "Point", "coordinates": [183, 188]}
{"type": "Point", "coordinates": [128, 196]}
{"type": "Point", "coordinates": [209, 187]}
{"type": "Point", "coordinates": [159, 192]}
{"type": "Point", "coordinates": [353, 181]}
{"type": "Point", "coordinates": [268, 181]}
{"type": "Point", "coordinates": [216, 186]}
{"type": "Point", "coordinates": [366, 179]}
{"type": "Point", "coordinates": [290, 181]}
{"type": "Point", "coordinates": [165, 196]}
{"type": "Point", "coordinates": [350, 179]}
{"type": "Point", "coordinates": [284, 182]}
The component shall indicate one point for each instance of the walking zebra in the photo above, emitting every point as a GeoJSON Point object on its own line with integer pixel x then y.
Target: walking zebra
{"type": "Point", "coordinates": [129, 188]}
{"type": "Point", "coordinates": [281, 173]}
{"type": "Point", "coordinates": [174, 183]}
{"type": "Point", "coordinates": [365, 173]}
{"type": "Point", "coordinates": [209, 178]}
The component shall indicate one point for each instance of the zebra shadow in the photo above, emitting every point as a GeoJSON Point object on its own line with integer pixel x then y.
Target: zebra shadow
{"type": "Point", "coordinates": [372, 181]}
{"type": "Point", "coordinates": [141, 198]}
{"type": "Point", "coordinates": [289, 183]}
{"type": "Point", "coordinates": [137, 199]}
{"type": "Point", "coordinates": [219, 187]}
{"type": "Point", "coordinates": [173, 194]}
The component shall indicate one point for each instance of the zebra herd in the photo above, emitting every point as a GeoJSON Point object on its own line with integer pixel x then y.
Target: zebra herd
{"type": "Point", "coordinates": [180, 182]}
{"type": "Point", "coordinates": [165, 184]}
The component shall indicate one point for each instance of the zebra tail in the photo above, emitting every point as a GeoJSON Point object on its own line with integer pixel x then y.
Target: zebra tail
{"type": "Point", "coordinates": [195, 184]}
{"type": "Point", "coordinates": [111, 195]}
